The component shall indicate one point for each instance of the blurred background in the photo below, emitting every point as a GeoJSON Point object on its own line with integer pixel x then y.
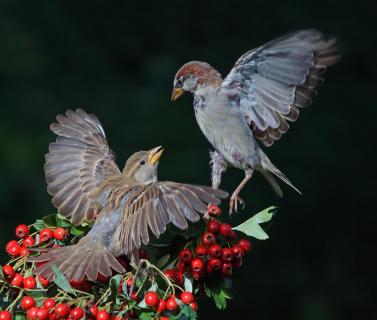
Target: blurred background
{"type": "Point", "coordinates": [117, 59]}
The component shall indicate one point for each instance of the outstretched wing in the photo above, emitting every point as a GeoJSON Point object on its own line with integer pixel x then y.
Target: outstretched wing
{"type": "Point", "coordinates": [152, 207]}
{"type": "Point", "coordinates": [270, 83]}
{"type": "Point", "coordinates": [77, 163]}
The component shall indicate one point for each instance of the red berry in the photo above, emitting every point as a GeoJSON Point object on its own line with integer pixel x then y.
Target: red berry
{"type": "Point", "coordinates": [161, 306]}
{"type": "Point", "coordinates": [198, 274]}
{"type": "Point", "coordinates": [76, 313]}
{"type": "Point", "coordinates": [151, 298]}
{"type": "Point", "coordinates": [102, 278]}
{"type": "Point", "coordinates": [5, 315]}
{"type": "Point", "coordinates": [81, 285]}
{"type": "Point", "coordinates": [227, 255]}
{"type": "Point", "coordinates": [14, 250]}
{"type": "Point", "coordinates": [28, 242]}
{"type": "Point", "coordinates": [27, 302]}
{"type": "Point", "coordinates": [102, 315]}
{"type": "Point", "coordinates": [53, 316]}
{"type": "Point", "coordinates": [29, 283]}
{"type": "Point", "coordinates": [197, 265]}
{"type": "Point", "coordinates": [201, 251]}
{"type": "Point", "coordinates": [186, 255]}
{"type": "Point", "coordinates": [236, 263]}
{"type": "Point", "coordinates": [181, 267]}
{"type": "Point", "coordinates": [23, 252]}
{"type": "Point", "coordinates": [226, 269]}
{"type": "Point", "coordinates": [233, 235]}
{"type": "Point", "coordinates": [237, 251]}
{"type": "Point", "coordinates": [214, 264]}
{"type": "Point", "coordinates": [60, 234]}
{"type": "Point", "coordinates": [187, 297]}
{"type": "Point", "coordinates": [215, 251]}
{"type": "Point", "coordinates": [225, 229]}
{"type": "Point", "coordinates": [164, 318]}
{"type": "Point", "coordinates": [22, 231]}
{"type": "Point", "coordinates": [30, 314]}
{"type": "Point", "coordinates": [41, 314]}
{"type": "Point", "coordinates": [45, 234]}
{"type": "Point", "coordinates": [93, 310]}
{"type": "Point", "coordinates": [213, 226]}
{"type": "Point", "coordinates": [18, 280]}
{"type": "Point", "coordinates": [179, 277]}
{"type": "Point", "coordinates": [245, 245]}
{"type": "Point", "coordinates": [49, 303]}
{"type": "Point", "coordinates": [171, 304]}
{"type": "Point", "coordinates": [214, 211]}
{"type": "Point", "coordinates": [208, 238]}
{"type": "Point", "coordinates": [171, 274]}
{"type": "Point", "coordinates": [134, 296]}
{"type": "Point", "coordinates": [62, 310]}
{"type": "Point", "coordinates": [10, 244]}
{"type": "Point", "coordinates": [8, 272]}
{"type": "Point", "coordinates": [143, 254]}
{"type": "Point", "coordinates": [194, 306]}
{"type": "Point", "coordinates": [43, 281]}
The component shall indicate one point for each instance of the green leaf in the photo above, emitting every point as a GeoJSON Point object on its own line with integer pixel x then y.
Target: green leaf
{"type": "Point", "coordinates": [146, 316]}
{"type": "Point", "coordinates": [39, 225]}
{"type": "Point", "coordinates": [252, 228]}
{"type": "Point", "coordinates": [114, 285]}
{"type": "Point", "coordinates": [188, 284]}
{"type": "Point", "coordinates": [19, 316]}
{"type": "Point", "coordinates": [60, 280]}
{"type": "Point", "coordinates": [163, 261]}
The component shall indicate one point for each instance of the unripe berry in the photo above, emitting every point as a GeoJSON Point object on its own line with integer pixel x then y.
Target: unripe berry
{"type": "Point", "coordinates": [245, 245]}
{"type": "Point", "coordinates": [208, 238]}
{"type": "Point", "coordinates": [28, 242]}
{"type": "Point", "coordinates": [200, 251]}
{"type": "Point", "coordinates": [197, 265]}
{"type": "Point", "coordinates": [187, 297]}
{"type": "Point", "coordinates": [227, 255]}
{"type": "Point", "coordinates": [45, 234]}
{"type": "Point", "coordinates": [29, 283]}
{"type": "Point", "coordinates": [60, 234]}
{"type": "Point", "coordinates": [8, 272]}
{"type": "Point", "coordinates": [213, 226]}
{"type": "Point", "coordinates": [151, 298]}
{"type": "Point", "coordinates": [22, 231]}
{"type": "Point", "coordinates": [214, 211]}
{"type": "Point", "coordinates": [27, 303]}
{"type": "Point", "coordinates": [186, 255]}
{"type": "Point", "coordinates": [215, 251]}
{"type": "Point", "coordinates": [225, 229]}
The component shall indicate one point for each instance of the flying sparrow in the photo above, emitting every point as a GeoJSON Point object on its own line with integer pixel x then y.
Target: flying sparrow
{"type": "Point", "coordinates": [126, 206]}
{"type": "Point", "coordinates": [262, 93]}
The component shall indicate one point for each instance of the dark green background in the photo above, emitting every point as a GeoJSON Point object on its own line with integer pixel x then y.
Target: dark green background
{"type": "Point", "coordinates": [118, 59]}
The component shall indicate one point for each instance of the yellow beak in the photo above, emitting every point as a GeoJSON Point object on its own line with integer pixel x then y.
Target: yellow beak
{"type": "Point", "coordinates": [177, 92]}
{"type": "Point", "coordinates": [155, 154]}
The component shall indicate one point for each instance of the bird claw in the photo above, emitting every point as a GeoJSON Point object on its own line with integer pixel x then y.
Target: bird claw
{"type": "Point", "coordinates": [233, 205]}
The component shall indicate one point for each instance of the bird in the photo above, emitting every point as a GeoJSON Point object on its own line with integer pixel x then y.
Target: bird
{"type": "Point", "coordinates": [126, 207]}
{"type": "Point", "coordinates": [263, 92]}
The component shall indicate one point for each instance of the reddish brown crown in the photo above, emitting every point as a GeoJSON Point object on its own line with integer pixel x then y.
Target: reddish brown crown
{"type": "Point", "coordinates": [204, 72]}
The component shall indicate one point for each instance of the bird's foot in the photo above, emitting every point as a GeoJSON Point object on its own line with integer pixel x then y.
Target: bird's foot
{"type": "Point", "coordinates": [235, 200]}
{"type": "Point", "coordinates": [139, 268]}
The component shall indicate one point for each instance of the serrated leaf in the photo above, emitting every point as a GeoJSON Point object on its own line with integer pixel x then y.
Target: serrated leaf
{"type": "Point", "coordinates": [60, 280]}
{"type": "Point", "coordinates": [252, 228]}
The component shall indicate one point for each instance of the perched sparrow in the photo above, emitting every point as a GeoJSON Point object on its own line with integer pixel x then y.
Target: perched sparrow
{"type": "Point", "coordinates": [87, 185]}
{"type": "Point", "coordinates": [263, 91]}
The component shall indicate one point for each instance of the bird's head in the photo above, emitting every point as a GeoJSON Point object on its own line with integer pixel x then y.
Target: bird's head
{"type": "Point", "coordinates": [142, 165]}
{"type": "Point", "coordinates": [192, 75]}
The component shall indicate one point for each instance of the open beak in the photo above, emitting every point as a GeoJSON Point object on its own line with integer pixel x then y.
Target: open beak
{"type": "Point", "coordinates": [155, 155]}
{"type": "Point", "coordinates": [177, 92]}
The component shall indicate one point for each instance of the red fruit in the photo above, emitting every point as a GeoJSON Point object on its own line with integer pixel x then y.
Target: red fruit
{"type": "Point", "coordinates": [76, 313]}
{"type": "Point", "coordinates": [201, 251]}
{"type": "Point", "coordinates": [30, 314]}
{"type": "Point", "coordinates": [151, 298]}
{"type": "Point", "coordinates": [214, 211]}
{"type": "Point", "coordinates": [49, 303]}
{"type": "Point", "coordinates": [93, 310]}
{"type": "Point", "coordinates": [226, 269]}
{"type": "Point", "coordinates": [194, 306]}
{"type": "Point", "coordinates": [23, 252]}
{"type": "Point", "coordinates": [81, 285]}
{"type": "Point", "coordinates": [60, 234]}
{"type": "Point", "coordinates": [237, 252]}
{"type": "Point", "coordinates": [187, 297]}
{"type": "Point", "coordinates": [181, 267]}
{"type": "Point", "coordinates": [214, 264]}
{"type": "Point", "coordinates": [186, 255]}
{"type": "Point", "coordinates": [161, 306]}
{"type": "Point", "coordinates": [164, 318]}
{"type": "Point", "coordinates": [227, 255]}
{"type": "Point", "coordinates": [215, 251]}
{"type": "Point", "coordinates": [14, 250]}
{"type": "Point", "coordinates": [8, 272]}
{"type": "Point", "coordinates": [233, 235]}
{"type": "Point", "coordinates": [10, 244]}
{"type": "Point", "coordinates": [22, 231]}
{"type": "Point", "coordinates": [197, 265]}
{"type": "Point", "coordinates": [53, 316]}
{"type": "Point", "coordinates": [225, 229]}
{"type": "Point", "coordinates": [28, 242]}
{"type": "Point", "coordinates": [236, 263]}
{"type": "Point", "coordinates": [18, 280]}
{"type": "Point", "coordinates": [102, 315]}
{"type": "Point", "coordinates": [171, 274]}
{"type": "Point", "coordinates": [102, 278]}
{"type": "Point", "coordinates": [46, 234]}
{"type": "Point", "coordinates": [134, 296]}
{"type": "Point", "coordinates": [43, 281]}
{"type": "Point", "coordinates": [171, 304]}
{"type": "Point", "coordinates": [27, 303]}
{"type": "Point", "coordinates": [198, 274]}
{"type": "Point", "coordinates": [143, 254]}
{"type": "Point", "coordinates": [62, 310]}
{"type": "Point", "coordinates": [129, 282]}
{"type": "Point", "coordinates": [179, 277]}
{"type": "Point", "coordinates": [41, 314]}
{"type": "Point", "coordinates": [213, 226]}
{"type": "Point", "coordinates": [245, 245]}
{"type": "Point", "coordinates": [30, 283]}
{"type": "Point", "coordinates": [208, 238]}
{"type": "Point", "coordinates": [5, 315]}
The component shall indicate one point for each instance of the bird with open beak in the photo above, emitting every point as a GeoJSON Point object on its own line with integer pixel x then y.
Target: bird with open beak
{"type": "Point", "coordinates": [127, 207]}
{"type": "Point", "coordinates": [262, 93]}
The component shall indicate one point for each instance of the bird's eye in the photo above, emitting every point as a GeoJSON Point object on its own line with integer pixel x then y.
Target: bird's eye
{"type": "Point", "coordinates": [180, 82]}
{"type": "Point", "coordinates": [142, 162]}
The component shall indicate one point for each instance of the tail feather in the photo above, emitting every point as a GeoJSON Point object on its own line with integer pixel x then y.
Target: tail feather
{"type": "Point", "coordinates": [85, 259]}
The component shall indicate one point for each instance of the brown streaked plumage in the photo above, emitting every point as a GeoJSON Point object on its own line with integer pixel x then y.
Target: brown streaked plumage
{"type": "Point", "coordinates": [126, 206]}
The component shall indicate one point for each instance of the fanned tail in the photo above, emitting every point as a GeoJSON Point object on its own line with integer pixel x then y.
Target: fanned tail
{"type": "Point", "coordinates": [86, 259]}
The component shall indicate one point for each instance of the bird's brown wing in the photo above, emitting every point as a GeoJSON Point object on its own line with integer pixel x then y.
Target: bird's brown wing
{"type": "Point", "coordinates": [77, 163]}
{"type": "Point", "coordinates": [152, 207]}
{"type": "Point", "coordinates": [270, 83]}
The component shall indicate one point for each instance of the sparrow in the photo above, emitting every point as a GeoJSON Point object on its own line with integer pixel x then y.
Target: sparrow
{"type": "Point", "coordinates": [263, 92]}
{"type": "Point", "coordinates": [126, 207]}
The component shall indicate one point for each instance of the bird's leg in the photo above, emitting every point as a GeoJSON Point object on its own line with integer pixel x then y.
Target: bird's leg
{"type": "Point", "coordinates": [134, 278]}
{"type": "Point", "coordinates": [235, 199]}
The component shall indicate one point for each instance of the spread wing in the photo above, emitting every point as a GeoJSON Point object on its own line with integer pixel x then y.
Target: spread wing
{"type": "Point", "coordinates": [152, 207]}
{"type": "Point", "coordinates": [270, 83]}
{"type": "Point", "coordinates": [77, 163]}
